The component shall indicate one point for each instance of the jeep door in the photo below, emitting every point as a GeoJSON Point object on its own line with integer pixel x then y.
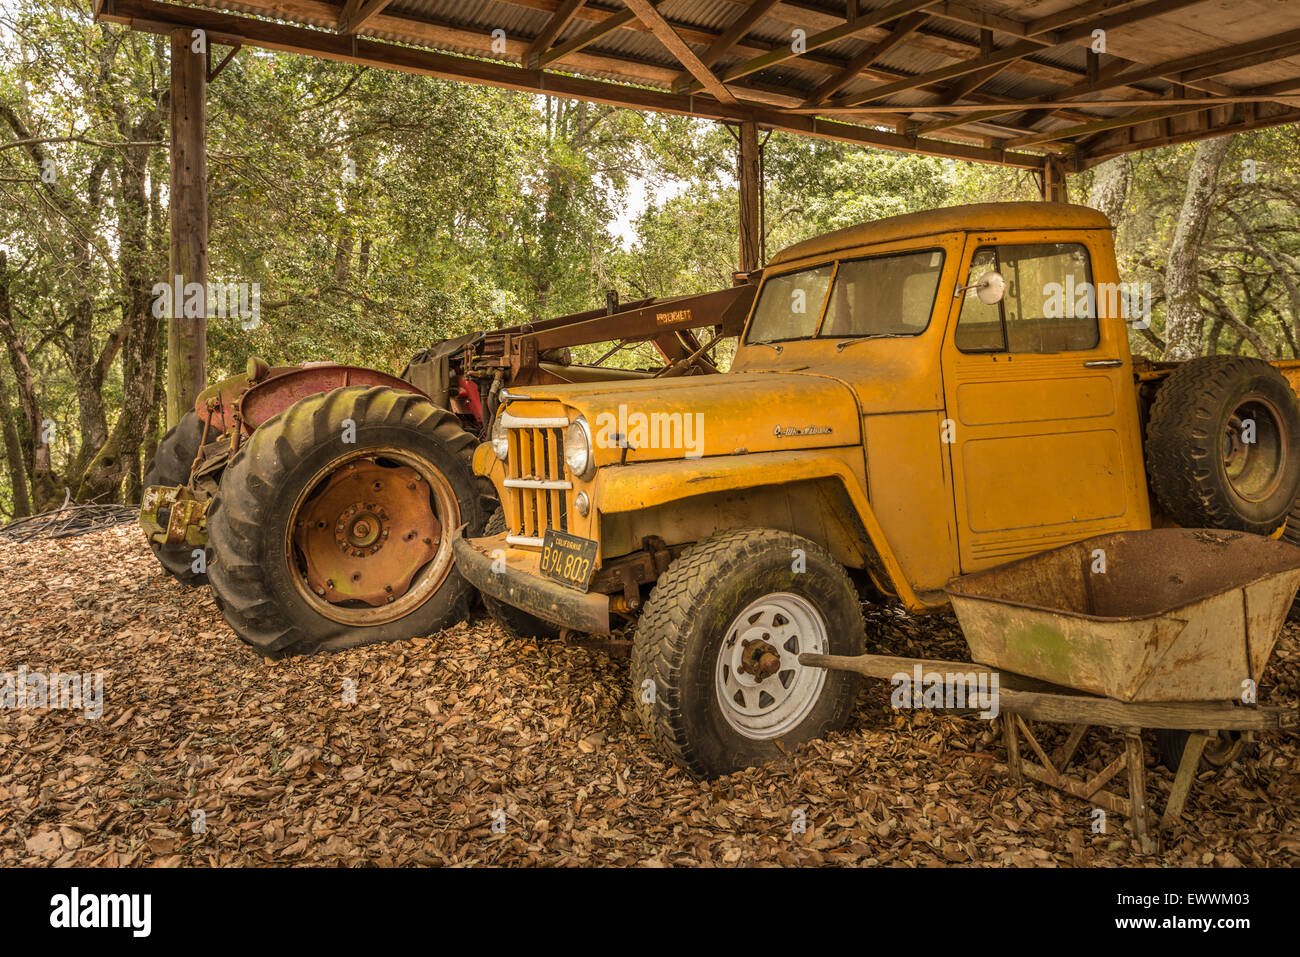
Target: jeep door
{"type": "Point", "coordinates": [1042, 422]}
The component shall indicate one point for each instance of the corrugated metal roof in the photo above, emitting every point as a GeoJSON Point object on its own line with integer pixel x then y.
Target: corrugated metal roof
{"type": "Point", "coordinates": [1138, 33]}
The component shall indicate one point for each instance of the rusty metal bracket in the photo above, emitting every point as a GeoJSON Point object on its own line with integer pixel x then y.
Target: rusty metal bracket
{"type": "Point", "coordinates": [173, 516]}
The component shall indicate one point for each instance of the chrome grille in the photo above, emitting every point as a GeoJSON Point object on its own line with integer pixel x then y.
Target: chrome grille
{"type": "Point", "coordinates": [536, 479]}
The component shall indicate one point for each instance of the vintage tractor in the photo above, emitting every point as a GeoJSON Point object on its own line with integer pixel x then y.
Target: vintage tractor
{"type": "Point", "coordinates": [319, 501]}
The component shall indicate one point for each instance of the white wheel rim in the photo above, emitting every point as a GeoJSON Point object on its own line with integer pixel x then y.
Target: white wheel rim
{"type": "Point", "coordinates": [763, 706]}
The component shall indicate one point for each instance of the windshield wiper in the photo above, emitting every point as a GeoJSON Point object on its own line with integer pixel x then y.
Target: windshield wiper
{"type": "Point", "coordinates": [845, 343]}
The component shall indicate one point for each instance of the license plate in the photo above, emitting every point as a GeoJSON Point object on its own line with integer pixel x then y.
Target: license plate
{"type": "Point", "coordinates": [568, 558]}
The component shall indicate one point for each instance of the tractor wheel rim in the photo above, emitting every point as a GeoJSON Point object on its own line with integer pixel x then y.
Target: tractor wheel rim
{"type": "Point", "coordinates": [369, 538]}
{"type": "Point", "coordinates": [1254, 449]}
{"type": "Point", "coordinates": [762, 690]}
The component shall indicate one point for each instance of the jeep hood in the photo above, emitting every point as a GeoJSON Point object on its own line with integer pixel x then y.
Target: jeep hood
{"type": "Point", "coordinates": [700, 416]}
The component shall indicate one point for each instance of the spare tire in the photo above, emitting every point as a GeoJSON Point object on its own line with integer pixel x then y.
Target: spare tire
{"type": "Point", "coordinates": [1221, 445]}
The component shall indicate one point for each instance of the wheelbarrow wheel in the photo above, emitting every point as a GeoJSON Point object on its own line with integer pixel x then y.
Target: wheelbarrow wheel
{"type": "Point", "coordinates": [332, 525]}
{"type": "Point", "coordinates": [513, 621]}
{"type": "Point", "coordinates": [170, 466]}
{"type": "Point", "coordinates": [1222, 445]}
{"type": "Point", "coordinates": [1219, 752]}
{"type": "Point", "coordinates": [715, 668]}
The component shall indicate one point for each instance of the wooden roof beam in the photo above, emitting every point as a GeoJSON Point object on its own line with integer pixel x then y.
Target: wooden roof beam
{"type": "Point", "coordinates": [560, 19]}
{"type": "Point", "coordinates": [663, 31]}
{"type": "Point", "coordinates": [356, 14]}
{"type": "Point", "coordinates": [845, 29]}
{"type": "Point", "coordinates": [902, 29]}
{"type": "Point", "coordinates": [1184, 70]}
{"type": "Point", "coordinates": [601, 29]}
{"type": "Point", "coordinates": [155, 17]}
{"type": "Point", "coordinates": [1021, 49]}
{"type": "Point", "coordinates": [728, 39]}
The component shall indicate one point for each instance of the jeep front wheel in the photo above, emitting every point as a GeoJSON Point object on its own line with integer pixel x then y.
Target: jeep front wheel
{"type": "Point", "coordinates": [715, 658]}
{"type": "Point", "coordinates": [332, 525]}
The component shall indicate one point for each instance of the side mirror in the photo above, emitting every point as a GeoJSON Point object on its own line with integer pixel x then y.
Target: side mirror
{"type": "Point", "coordinates": [990, 288]}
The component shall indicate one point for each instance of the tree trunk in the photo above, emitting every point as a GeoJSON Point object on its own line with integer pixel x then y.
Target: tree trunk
{"type": "Point", "coordinates": [1110, 187]}
{"type": "Point", "coordinates": [1184, 320]}
{"type": "Point", "coordinates": [14, 454]}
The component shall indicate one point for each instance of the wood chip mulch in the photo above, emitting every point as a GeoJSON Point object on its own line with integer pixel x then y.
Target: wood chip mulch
{"type": "Point", "coordinates": [468, 749]}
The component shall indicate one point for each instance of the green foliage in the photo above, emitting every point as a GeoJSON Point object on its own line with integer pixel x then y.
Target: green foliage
{"type": "Point", "coordinates": [378, 212]}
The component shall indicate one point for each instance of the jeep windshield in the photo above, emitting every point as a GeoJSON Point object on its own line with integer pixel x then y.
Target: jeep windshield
{"type": "Point", "coordinates": [872, 297]}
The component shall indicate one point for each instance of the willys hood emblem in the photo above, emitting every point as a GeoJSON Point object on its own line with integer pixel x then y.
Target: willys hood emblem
{"type": "Point", "coordinates": [783, 432]}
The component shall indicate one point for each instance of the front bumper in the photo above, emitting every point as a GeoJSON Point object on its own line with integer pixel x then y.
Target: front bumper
{"type": "Point", "coordinates": [521, 585]}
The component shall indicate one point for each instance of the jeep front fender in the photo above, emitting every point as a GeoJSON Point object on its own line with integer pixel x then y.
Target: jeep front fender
{"type": "Point", "coordinates": [635, 488]}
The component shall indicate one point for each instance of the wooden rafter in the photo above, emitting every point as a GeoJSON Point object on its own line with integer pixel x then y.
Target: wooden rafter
{"type": "Point", "coordinates": [902, 29]}
{"type": "Point", "coordinates": [554, 27]}
{"type": "Point", "coordinates": [729, 38]}
{"type": "Point", "coordinates": [1172, 107]}
{"type": "Point", "coordinates": [1172, 101]}
{"type": "Point", "coordinates": [846, 29]}
{"type": "Point", "coordinates": [155, 17]}
{"type": "Point", "coordinates": [663, 31]}
{"type": "Point", "coordinates": [1185, 69]}
{"type": "Point", "coordinates": [1019, 50]}
{"type": "Point", "coordinates": [356, 14]}
{"type": "Point", "coordinates": [602, 29]}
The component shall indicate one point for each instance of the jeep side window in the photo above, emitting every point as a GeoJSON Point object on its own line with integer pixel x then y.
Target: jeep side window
{"type": "Point", "coordinates": [1048, 305]}
{"type": "Point", "coordinates": [790, 306]}
{"type": "Point", "coordinates": [884, 296]}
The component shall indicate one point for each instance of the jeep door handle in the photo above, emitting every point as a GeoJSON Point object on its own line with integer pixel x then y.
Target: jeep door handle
{"type": "Point", "coordinates": [1103, 363]}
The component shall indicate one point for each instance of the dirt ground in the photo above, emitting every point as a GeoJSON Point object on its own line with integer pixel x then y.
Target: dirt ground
{"type": "Point", "coordinates": [448, 732]}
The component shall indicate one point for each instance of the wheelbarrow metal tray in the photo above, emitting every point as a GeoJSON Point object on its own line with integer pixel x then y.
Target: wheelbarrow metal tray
{"type": "Point", "coordinates": [1168, 614]}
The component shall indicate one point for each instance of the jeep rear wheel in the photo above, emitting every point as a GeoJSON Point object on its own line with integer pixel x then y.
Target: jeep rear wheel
{"type": "Point", "coordinates": [332, 525]}
{"type": "Point", "coordinates": [170, 466]}
{"type": "Point", "coordinates": [715, 658]}
{"type": "Point", "coordinates": [1221, 445]}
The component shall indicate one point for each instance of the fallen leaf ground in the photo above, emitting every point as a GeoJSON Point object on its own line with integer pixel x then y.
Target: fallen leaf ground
{"type": "Point", "coordinates": [447, 731]}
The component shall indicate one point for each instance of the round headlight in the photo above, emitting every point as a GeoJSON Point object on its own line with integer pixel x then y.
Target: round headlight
{"type": "Point", "coordinates": [577, 449]}
{"type": "Point", "coordinates": [500, 440]}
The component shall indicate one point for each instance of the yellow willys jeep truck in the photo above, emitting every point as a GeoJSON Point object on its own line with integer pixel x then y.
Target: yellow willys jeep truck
{"type": "Point", "coordinates": [911, 400]}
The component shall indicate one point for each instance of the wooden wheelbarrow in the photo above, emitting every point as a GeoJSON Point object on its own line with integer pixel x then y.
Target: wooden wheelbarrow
{"type": "Point", "coordinates": [1165, 629]}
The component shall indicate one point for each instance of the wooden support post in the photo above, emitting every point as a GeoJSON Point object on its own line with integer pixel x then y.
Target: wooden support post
{"type": "Point", "coordinates": [751, 239]}
{"type": "Point", "coordinates": [187, 344]}
{"type": "Point", "coordinates": [1052, 183]}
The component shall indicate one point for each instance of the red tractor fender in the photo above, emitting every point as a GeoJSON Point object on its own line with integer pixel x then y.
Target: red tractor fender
{"type": "Point", "coordinates": [274, 394]}
{"type": "Point", "coordinates": [262, 392]}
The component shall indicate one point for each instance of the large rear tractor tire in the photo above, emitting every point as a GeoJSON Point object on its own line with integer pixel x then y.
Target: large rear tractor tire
{"type": "Point", "coordinates": [715, 667]}
{"type": "Point", "coordinates": [170, 466]}
{"type": "Point", "coordinates": [332, 526]}
{"type": "Point", "coordinates": [1223, 445]}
